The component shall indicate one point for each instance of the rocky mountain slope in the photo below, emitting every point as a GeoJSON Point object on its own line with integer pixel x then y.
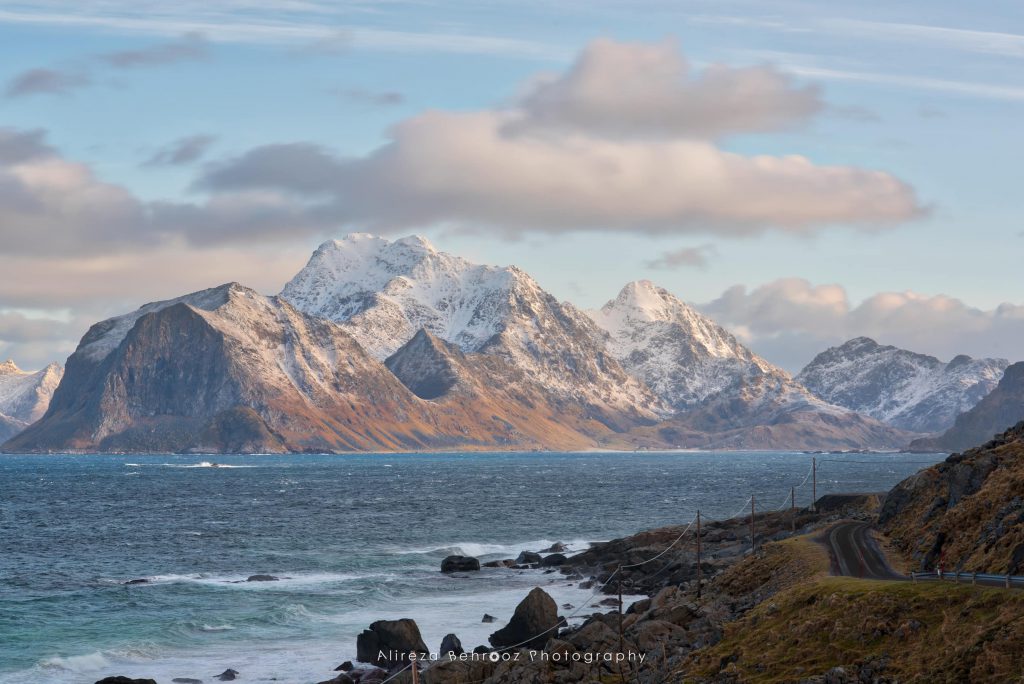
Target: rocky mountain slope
{"type": "Point", "coordinates": [908, 390]}
{"type": "Point", "coordinates": [967, 511]}
{"type": "Point", "coordinates": [382, 292]}
{"type": "Point", "coordinates": [1001, 408]}
{"type": "Point", "coordinates": [24, 395]}
{"type": "Point", "coordinates": [724, 396]}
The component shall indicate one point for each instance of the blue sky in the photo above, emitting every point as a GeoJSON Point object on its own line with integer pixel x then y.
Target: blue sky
{"type": "Point", "coordinates": [929, 93]}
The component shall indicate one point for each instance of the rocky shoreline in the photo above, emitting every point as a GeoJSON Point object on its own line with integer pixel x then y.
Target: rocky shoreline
{"type": "Point", "coordinates": [653, 636]}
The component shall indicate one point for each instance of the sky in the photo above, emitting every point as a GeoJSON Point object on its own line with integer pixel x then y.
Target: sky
{"type": "Point", "coordinates": [804, 172]}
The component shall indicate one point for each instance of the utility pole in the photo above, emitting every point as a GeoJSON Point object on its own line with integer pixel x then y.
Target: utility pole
{"type": "Point", "coordinates": [698, 554]}
{"type": "Point", "coordinates": [751, 523]}
{"type": "Point", "coordinates": [792, 509]}
{"type": "Point", "coordinates": [814, 487]}
{"type": "Point", "coordinates": [622, 676]}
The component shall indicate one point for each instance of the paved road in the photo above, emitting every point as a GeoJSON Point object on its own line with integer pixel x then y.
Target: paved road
{"type": "Point", "coordinates": [855, 554]}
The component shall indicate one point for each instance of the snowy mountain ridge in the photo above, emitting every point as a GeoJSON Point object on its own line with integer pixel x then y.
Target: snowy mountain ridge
{"type": "Point", "coordinates": [909, 390]}
{"type": "Point", "coordinates": [681, 354]}
{"type": "Point", "coordinates": [383, 292]}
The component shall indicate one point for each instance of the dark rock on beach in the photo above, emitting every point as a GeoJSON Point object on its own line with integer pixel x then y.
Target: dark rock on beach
{"type": "Point", "coordinates": [553, 560]}
{"type": "Point", "coordinates": [451, 644]}
{"type": "Point", "coordinates": [533, 623]}
{"type": "Point", "coordinates": [460, 564]}
{"type": "Point", "coordinates": [527, 557]}
{"type": "Point", "coordinates": [387, 642]}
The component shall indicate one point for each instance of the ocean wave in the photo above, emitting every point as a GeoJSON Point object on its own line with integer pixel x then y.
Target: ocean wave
{"type": "Point", "coordinates": [482, 549]}
{"type": "Point", "coordinates": [89, 662]}
{"type": "Point", "coordinates": [284, 580]}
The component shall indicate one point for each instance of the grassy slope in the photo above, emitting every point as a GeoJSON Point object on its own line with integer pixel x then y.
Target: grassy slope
{"type": "Point", "coordinates": [926, 632]}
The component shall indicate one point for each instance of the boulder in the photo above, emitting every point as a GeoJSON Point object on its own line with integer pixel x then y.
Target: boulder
{"type": "Point", "coordinates": [261, 578]}
{"type": "Point", "coordinates": [532, 625]}
{"type": "Point", "coordinates": [481, 650]}
{"type": "Point", "coordinates": [343, 678]}
{"type": "Point", "coordinates": [136, 581]}
{"type": "Point", "coordinates": [459, 564]}
{"type": "Point", "coordinates": [387, 642]}
{"type": "Point", "coordinates": [346, 666]}
{"type": "Point", "coordinates": [451, 644]}
{"type": "Point", "coordinates": [488, 618]}
{"type": "Point", "coordinates": [125, 680]}
{"type": "Point", "coordinates": [227, 675]}
{"type": "Point", "coordinates": [557, 547]}
{"type": "Point", "coordinates": [527, 558]}
{"type": "Point", "coordinates": [553, 560]}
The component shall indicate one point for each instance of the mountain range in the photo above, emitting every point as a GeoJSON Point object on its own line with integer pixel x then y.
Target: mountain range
{"type": "Point", "coordinates": [912, 391]}
{"type": "Point", "coordinates": [392, 345]}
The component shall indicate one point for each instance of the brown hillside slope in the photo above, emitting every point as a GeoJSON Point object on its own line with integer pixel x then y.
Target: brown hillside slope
{"type": "Point", "coordinates": [968, 510]}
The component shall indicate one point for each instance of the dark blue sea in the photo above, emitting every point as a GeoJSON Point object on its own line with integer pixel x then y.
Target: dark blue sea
{"type": "Point", "coordinates": [353, 539]}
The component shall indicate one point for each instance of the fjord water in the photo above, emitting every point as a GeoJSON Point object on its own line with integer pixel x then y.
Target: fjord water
{"type": "Point", "coordinates": [354, 539]}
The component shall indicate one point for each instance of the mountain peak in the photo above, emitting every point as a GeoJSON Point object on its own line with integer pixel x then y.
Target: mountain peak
{"type": "Point", "coordinates": [643, 301]}
{"type": "Point", "coordinates": [9, 366]}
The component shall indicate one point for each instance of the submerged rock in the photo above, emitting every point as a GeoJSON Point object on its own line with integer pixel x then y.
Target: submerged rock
{"type": "Point", "coordinates": [488, 618]}
{"type": "Point", "coordinates": [262, 578]}
{"type": "Point", "coordinates": [125, 680]}
{"type": "Point", "coordinates": [390, 641]}
{"type": "Point", "coordinates": [227, 675]}
{"type": "Point", "coordinates": [186, 680]}
{"type": "Point", "coordinates": [557, 547]}
{"type": "Point", "coordinates": [137, 581]}
{"type": "Point", "coordinates": [459, 564]}
{"type": "Point", "coordinates": [532, 625]}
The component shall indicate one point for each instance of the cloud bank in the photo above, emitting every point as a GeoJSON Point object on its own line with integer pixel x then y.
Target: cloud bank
{"type": "Point", "coordinates": [790, 320]}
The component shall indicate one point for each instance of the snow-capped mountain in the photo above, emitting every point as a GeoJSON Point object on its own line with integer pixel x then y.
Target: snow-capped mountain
{"type": "Point", "coordinates": [382, 292]}
{"type": "Point", "coordinates": [682, 355]}
{"type": "Point", "coordinates": [999, 410]}
{"type": "Point", "coordinates": [724, 395]}
{"type": "Point", "coordinates": [24, 395]}
{"type": "Point", "coordinates": [909, 390]}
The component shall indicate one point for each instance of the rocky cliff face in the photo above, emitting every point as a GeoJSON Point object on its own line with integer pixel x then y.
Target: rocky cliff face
{"type": "Point", "coordinates": [967, 512]}
{"type": "Point", "coordinates": [912, 391]}
{"type": "Point", "coordinates": [1001, 408]}
{"type": "Point", "coordinates": [228, 370]}
{"type": "Point", "coordinates": [24, 395]}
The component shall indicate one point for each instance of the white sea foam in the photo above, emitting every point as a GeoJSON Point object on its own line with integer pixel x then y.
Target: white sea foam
{"type": "Point", "coordinates": [479, 549]}
{"type": "Point", "coordinates": [90, 662]}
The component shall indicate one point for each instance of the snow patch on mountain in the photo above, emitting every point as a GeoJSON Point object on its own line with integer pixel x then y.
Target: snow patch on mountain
{"type": "Point", "coordinates": [909, 390]}
{"type": "Point", "coordinates": [25, 395]}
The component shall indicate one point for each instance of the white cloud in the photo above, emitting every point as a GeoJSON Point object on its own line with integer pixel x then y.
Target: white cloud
{"type": "Point", "coordinates": [649, 89]}
{"type": "Point", "coordinates": [558, 163]}
{"type": "Point", "coordinates": [791, 320]}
